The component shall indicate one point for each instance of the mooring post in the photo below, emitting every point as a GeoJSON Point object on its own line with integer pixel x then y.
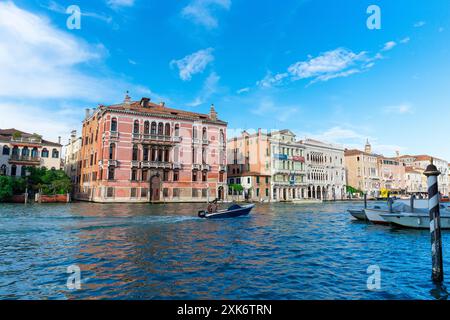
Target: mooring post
{"type": "Point", "coordinates": [432, 174]}
{"type": "Point", "coordinates": [413, 197]}
{"type": "Point", "coordinates": [365, 200]}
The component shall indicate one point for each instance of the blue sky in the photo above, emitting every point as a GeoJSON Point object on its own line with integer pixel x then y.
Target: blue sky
{"type": "Point", "coordinates": [311, 66]}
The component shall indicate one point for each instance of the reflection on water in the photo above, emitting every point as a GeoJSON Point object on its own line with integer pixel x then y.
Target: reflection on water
{"type": "Point", "coordinates": [140, 251]}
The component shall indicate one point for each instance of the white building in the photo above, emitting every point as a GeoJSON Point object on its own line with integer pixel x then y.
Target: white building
{"type": "Point", "coordinates": [72, 158]}
{"type": "Point", "coordinates": [288, 167]}
{"type": "Point", "coordinates": [325, 170]}
{"type": "Point", "coordinates": [19, 150]}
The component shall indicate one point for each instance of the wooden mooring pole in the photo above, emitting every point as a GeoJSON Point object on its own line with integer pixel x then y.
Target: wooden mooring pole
{"type": "Point", "coordinates": [432, 174]}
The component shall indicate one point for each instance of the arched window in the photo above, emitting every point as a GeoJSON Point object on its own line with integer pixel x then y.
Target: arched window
{"type": "Point", "coordinates": [15, 151]}
{"type": "Point", "coordinates": [23, 171]}
{"type": "Point", "coordinates": [114, 125]}
{"type": "Point", "coordinates": [3, 170]}
{"type": "Point", "coordinates": [177, 130]}
{"type": "Point", "coordinates": [5, 150]}
{"type": "Point", "coordinates": [194, 132]}
{"type": "Point", "coordinates": [13, 170]}
{"type": "Point", "coordinates": [153, 128]}
{"type": "Point", "coordinates": [160, 129]}
{"type": "Point", "coordinates": [136, 126]}
{"type": "Point", "coordinates": [204, 134]}
{"type": "Point", "coordinates": [222, 136]}
{"type": "Point", "coordinates": [55, 153]}
{"type": "Point", "coordinates": [167, 129]}
{"type": "Point", "coordinates": [146, 127]}
{"type": "Point", "coordinates": [135, 153]}
{"type": "Point", "coordinates": [34, 153]}
{"type": "Point", "coordinates": [25, 152]}
{"type": "Point", "coordinates": [44, 153]}
{"type": "Point", "coordinates": [112, 151]}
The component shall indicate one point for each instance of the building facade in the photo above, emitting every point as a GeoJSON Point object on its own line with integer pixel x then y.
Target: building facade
{"type": "Point", "coordinates": [362, 170]}
{"type": "Point", "coordinates": [72, 159]}
{"type": "Point", "coordinates": [19, 150]}
{"type": "Point", "coordinates": [288, 168]}
{"type": "Point", "coordinates": [325, 168]}
{"type": "Point", "coordinates": [249, 165]}
{"type": "Point", "coordinates": [414, 181]}
{"type": "Point", "coordinates": [139, 151]}
{"type": "Point", "coordinates": [392, 174]}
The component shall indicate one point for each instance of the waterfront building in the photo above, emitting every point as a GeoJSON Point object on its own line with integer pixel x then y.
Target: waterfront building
{"type": "Point", "coordinates": [19, 150]}
{"type": "Point", "coordinates": [139, 151]}
{"type": "Point", "coordinates": [249, 165]}
{"type": "Point", "coordinates": [422, 161]}
{"type": "Point", "coordinates": [392, 174]}
{"type": "Point", "coordinates": [288, 169]}
{"type": "Point", "coordinates": [325, 170]}
{"type": "Point", "coordinates": [414, 181]}
{"type": "Point", "coordinates": [361, 168]}
{"type": "Point", "coordinates": [72, 159]}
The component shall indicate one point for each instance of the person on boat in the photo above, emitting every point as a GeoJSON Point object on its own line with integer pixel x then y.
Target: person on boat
{"type": "Point", "coordinates": [212, 207]}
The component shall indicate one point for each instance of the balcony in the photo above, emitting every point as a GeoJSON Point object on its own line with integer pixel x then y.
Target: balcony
{"type": "Point", "coordinates": [222, 168]}
{"type": "Point", "coordinates": [177, 165]}
{"type": "Point", "coordinates": [24, 160]}
{"type": "Point", "coordinates": [148, 138]}
{"type": "Point", "coordinates": [196, 167]}
{"type": "Point", "coordinates": [176, 139]}
{"type": "Point", "coordinates": [113, 135]}
{"type": "Point", "coordinates": [27, 140]}
{"type": "Point", "coordinates": [134, 164]}
{"type": "Point", "coordinates": [195, 141]}
{"type": "Point", "coordinates": [157, 164]}
{"type": "Point", "coordinates": [205, 141]}
{"type": "Point", "coordinates": [136, 137]}
{"type": "Point", "coordinates": [206, 167]}
{"type": "Point", "coordinates": [113, 163]}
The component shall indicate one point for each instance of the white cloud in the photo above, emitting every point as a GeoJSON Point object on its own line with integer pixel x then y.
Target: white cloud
{"type": "Point", "coordinates": [243, 90]}
{"type": "Point", "coordinates": [332, 64]}
{"type": "Point", "coordinates": [403, 108]}
{"type": "Point", "coordinates": [419, 24]}
{"type": "Point", "coordinates": [441, 29]}
{"type": "Point", "coordinates": [202, 11]}
{"type": "Point", "coordinates": [210, 86]}
{"type": "Point", "coordinates": [405, 40]}
{"type": "Point", "coordinates": [193, 63]}
{"type": "Point", "coordinates": [55, 7]}
{"type": "Point", "coordinates": [116, 4]}
{"type": "Point", "coordinates": [132, 62]}
{"type": "Point", "coordinates": [389, 45]}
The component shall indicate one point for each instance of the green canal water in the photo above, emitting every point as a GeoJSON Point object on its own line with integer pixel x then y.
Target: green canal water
{"type": "Point", "coordinates": [141, 251]}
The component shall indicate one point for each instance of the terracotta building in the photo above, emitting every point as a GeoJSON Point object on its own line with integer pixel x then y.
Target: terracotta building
{"type": "Point", "coordinates": [139, 151]}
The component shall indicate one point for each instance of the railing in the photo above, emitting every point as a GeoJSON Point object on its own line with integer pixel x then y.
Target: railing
{"type": "Point", "coordinates": [222, 167]}
{"type": "Point", "coordinates": [113, 163]}
{"type": "Point", "coordinates": [156, 164]}
{"type": "Point", "coordinates": [26, 139]}
{"type": "Point", "coordinates": [19, 158]}
{"type": "Point", "coordinates": [136, 136]}
{"type": "Point", "coordinates": [205, 141]}
{"type": "Point", "coordinates": [176, 139]}
{"type": "Point", "coordinates": [135, 164]}
{"type": "Point", "coordinates": [206, 167]}
{"type": "Point", "coordinates": [113, 134]}
{"type": "Point", "coordinates": [196, 166]}
{"type": "Point", "coordinates": [177, 165]}
{"type": "Point", "coordinates": [195, 141]}
{"type": "Point", "coordinates": [162, 138]}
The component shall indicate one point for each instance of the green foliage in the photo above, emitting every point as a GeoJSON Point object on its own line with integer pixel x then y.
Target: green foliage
{"type": "Point", "coordinates": [352, 190]}
{"type": "Point", "coordinates": [17, 135]}
{"type": "Point", "coordinates": [236, 187]}
{"type": "Point", "coordinates": [6, 188]}
{"type": "Point", "coordinates": [49, 181]}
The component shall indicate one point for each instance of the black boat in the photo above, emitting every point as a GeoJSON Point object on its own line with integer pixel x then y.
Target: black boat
{"type": "Point", "coordinates": [233, 211]}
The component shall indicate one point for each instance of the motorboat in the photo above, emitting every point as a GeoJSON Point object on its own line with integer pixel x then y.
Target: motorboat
{"type": "Point", "coordinates": [358, 214]}
{"type": "Point", "coordinates": [416, 220]}
{"type": "Point", "coordinates": [233, 211]}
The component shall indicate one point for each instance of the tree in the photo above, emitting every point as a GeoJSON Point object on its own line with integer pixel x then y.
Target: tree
{"type": "Point", "coordinates": [6, 188]}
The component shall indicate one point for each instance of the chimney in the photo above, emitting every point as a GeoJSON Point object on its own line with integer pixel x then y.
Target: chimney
{"type": "Point", "coordinates": [59, 139]}
{"type": "Point", "coordinates": [144, 102]}
{"type": "Point", "coordinates": [212, 113]}
{"type": "Point", "coordinates": [73, 135]}
{"type": "Point", "coordinates": [162, 103]}
{"type": "Point", "coordinates": [87, 113]}
{"type": "Point", "coordinates": [397, 153]}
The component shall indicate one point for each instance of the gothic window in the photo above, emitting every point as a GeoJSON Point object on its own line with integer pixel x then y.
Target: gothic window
{"type": "Point", "coordinates": [114, 125]}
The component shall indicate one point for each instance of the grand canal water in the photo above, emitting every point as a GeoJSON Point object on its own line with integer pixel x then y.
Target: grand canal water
{"type": "Point", "coordinates": [280, 251]}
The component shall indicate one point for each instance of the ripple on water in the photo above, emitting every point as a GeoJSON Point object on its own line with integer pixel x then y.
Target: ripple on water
{"type": "Point", "coordinates": [138, 251]}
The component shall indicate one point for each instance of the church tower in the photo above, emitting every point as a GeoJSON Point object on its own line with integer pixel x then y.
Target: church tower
{"type": "Point", "coordinates": [368, 147]}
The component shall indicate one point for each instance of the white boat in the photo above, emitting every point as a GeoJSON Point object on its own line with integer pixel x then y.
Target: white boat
{"type": "Point", "coordinates": [358, 214]}
{"type": "Point", "coordinates": [418, 220]}
{"type": "Point", "coordinates": [422, 203]}
{"type": "Point", "coordinates": [374, 215]}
